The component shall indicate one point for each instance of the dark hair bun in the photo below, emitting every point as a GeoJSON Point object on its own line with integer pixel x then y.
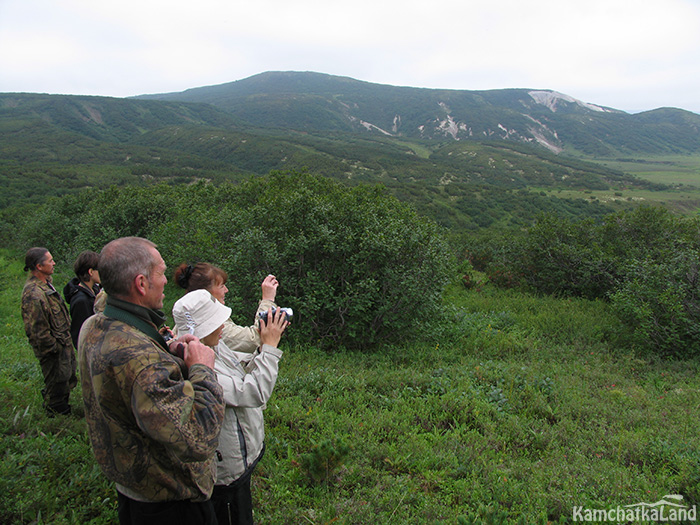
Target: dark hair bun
{"type": "Point", "coordinates": [183, 274]}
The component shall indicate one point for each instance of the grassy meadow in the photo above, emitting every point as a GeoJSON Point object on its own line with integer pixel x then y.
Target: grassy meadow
{"type": "Point", "coordinates": [513, 409]}
{"type": "Point", "coordinates": [663, 169]}
{"type": "Point", "coordinates": [679, 171]}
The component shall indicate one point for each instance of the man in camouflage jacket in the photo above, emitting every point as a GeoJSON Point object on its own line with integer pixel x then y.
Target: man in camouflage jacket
{"type": "Point", "coordinates": [47, 325]}
{"type": "Point", "coordinates": [153, 418]}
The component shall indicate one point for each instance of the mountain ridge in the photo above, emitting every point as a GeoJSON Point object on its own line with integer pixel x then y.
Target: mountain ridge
{"type": "Point", "coordinates": [309, 101]}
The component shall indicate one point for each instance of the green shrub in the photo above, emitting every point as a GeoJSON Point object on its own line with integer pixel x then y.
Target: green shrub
{"type": "Point", "coordinates": [565, 258]}
{"type": "Point", "coordinates": [645, 261]}
{"type": "Point", "coordinates": [660, 303]}
{"type": "Point", "coordinates": [324, 459]}
{"type": "Point", "coordinates": [89, 220]}
{"type": "Point", "coordinates": [357, 266]}
{"type": "Point", "coordinates": [647, 231]}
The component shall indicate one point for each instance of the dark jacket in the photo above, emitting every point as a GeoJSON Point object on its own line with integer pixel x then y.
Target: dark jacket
{"type": "Point", "coordinates": [81, 301]}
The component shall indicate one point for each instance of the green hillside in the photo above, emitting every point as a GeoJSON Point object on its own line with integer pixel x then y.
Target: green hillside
{"type": "Point", "coordinates": [531, 354]}
{"type": "Point", "coordinates": [104, 118]}
{"type": "Point", "coordinates": [55, 144]}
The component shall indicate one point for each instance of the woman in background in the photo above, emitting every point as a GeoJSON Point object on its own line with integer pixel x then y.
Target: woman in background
{"type": "Point", "coordinates": [205, 276]}
{"type": "Point", "coordinates": [81, 290]}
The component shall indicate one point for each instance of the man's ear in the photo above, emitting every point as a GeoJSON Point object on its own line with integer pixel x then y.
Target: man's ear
{"type": "Point", "coordinates": [141, 284]}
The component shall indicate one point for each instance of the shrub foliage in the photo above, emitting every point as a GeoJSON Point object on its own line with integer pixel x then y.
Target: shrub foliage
{"type": "Point", "coordinates": [357, 266]}
{"type": "Point", "coordinates": [360, 268]}
{"type": "Point", "coordinates": [644, 261]}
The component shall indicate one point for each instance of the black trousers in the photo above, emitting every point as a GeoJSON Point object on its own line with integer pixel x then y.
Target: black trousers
{"type": "Point", "coordinates": [233, 504]}
{"type": "Point", "coordinates": [132, 512]}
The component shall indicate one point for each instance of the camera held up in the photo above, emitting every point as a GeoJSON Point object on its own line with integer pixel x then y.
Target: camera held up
{"type": "Point", "coordinates": [287, 311]}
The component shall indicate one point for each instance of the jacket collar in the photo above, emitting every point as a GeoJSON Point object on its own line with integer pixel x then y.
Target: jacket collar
{"type": "Point", "coordinates": [144, 319]}
{"type": "Point", "coordinates": [46, 286]}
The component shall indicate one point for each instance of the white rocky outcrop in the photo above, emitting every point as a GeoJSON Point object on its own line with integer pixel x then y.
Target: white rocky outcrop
{"type": "Point", "coordinates": [551, 99]}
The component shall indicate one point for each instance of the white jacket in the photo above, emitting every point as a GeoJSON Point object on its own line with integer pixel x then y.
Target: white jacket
{"type": "Point", "coordinates": [247, 380]}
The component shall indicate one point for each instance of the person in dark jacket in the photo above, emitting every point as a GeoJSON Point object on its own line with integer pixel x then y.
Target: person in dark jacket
{"type": "Point", "coordinates": [81, 290]}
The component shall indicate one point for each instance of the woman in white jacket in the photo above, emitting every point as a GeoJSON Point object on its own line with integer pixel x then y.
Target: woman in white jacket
{"type": "Point", "coordinates": [247, 380]}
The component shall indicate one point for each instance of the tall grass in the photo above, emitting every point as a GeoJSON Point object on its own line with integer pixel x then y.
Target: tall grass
{"type": "Point", "coordinates": [513, 408]}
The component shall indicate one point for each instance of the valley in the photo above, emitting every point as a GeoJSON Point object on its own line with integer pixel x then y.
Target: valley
{"type": "Point", "coordinates": [560, 370]}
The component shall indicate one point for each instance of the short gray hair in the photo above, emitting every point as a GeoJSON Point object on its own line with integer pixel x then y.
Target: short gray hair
{"type": "Point", "coordinates": [121, 260]}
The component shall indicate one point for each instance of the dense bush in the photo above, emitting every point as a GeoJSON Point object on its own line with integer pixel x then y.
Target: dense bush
{"type": "Point", "coordinates": [660, 301]}
{"type": "Point", "coordinates": [565, 258]}
{"type": "Point", "coordinates": [89, 220]}
{"type": "Point", "coordinates": [644, 261]}
{"type": "Point", "coordinates": [358, 266]}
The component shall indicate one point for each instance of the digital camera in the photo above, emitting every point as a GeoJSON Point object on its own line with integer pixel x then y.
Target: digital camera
{"type": "Point", "coordinates": [287, 311]}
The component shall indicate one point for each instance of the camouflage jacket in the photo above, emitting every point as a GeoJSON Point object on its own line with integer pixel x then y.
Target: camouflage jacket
{"type": "Point", "coordinates": [46, 319]}
{"type": "Point", "coordinates": [154, 425]}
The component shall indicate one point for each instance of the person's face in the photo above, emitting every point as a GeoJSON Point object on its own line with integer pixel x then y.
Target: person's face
{"type": "Point", "coordinates": [46, 266]}
{"type": "Point", "coordinates": [218, 291]}
{"type": "Point", "coordinates": [94, 275]}
{"type": "Point", "coordinates": [156, 284]}
{"type": "Point", "coordinates": [213, 338]}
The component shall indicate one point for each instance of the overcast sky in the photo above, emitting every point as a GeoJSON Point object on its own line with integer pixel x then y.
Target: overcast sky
{"type": "Point", "coordinates": [632, 55]}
